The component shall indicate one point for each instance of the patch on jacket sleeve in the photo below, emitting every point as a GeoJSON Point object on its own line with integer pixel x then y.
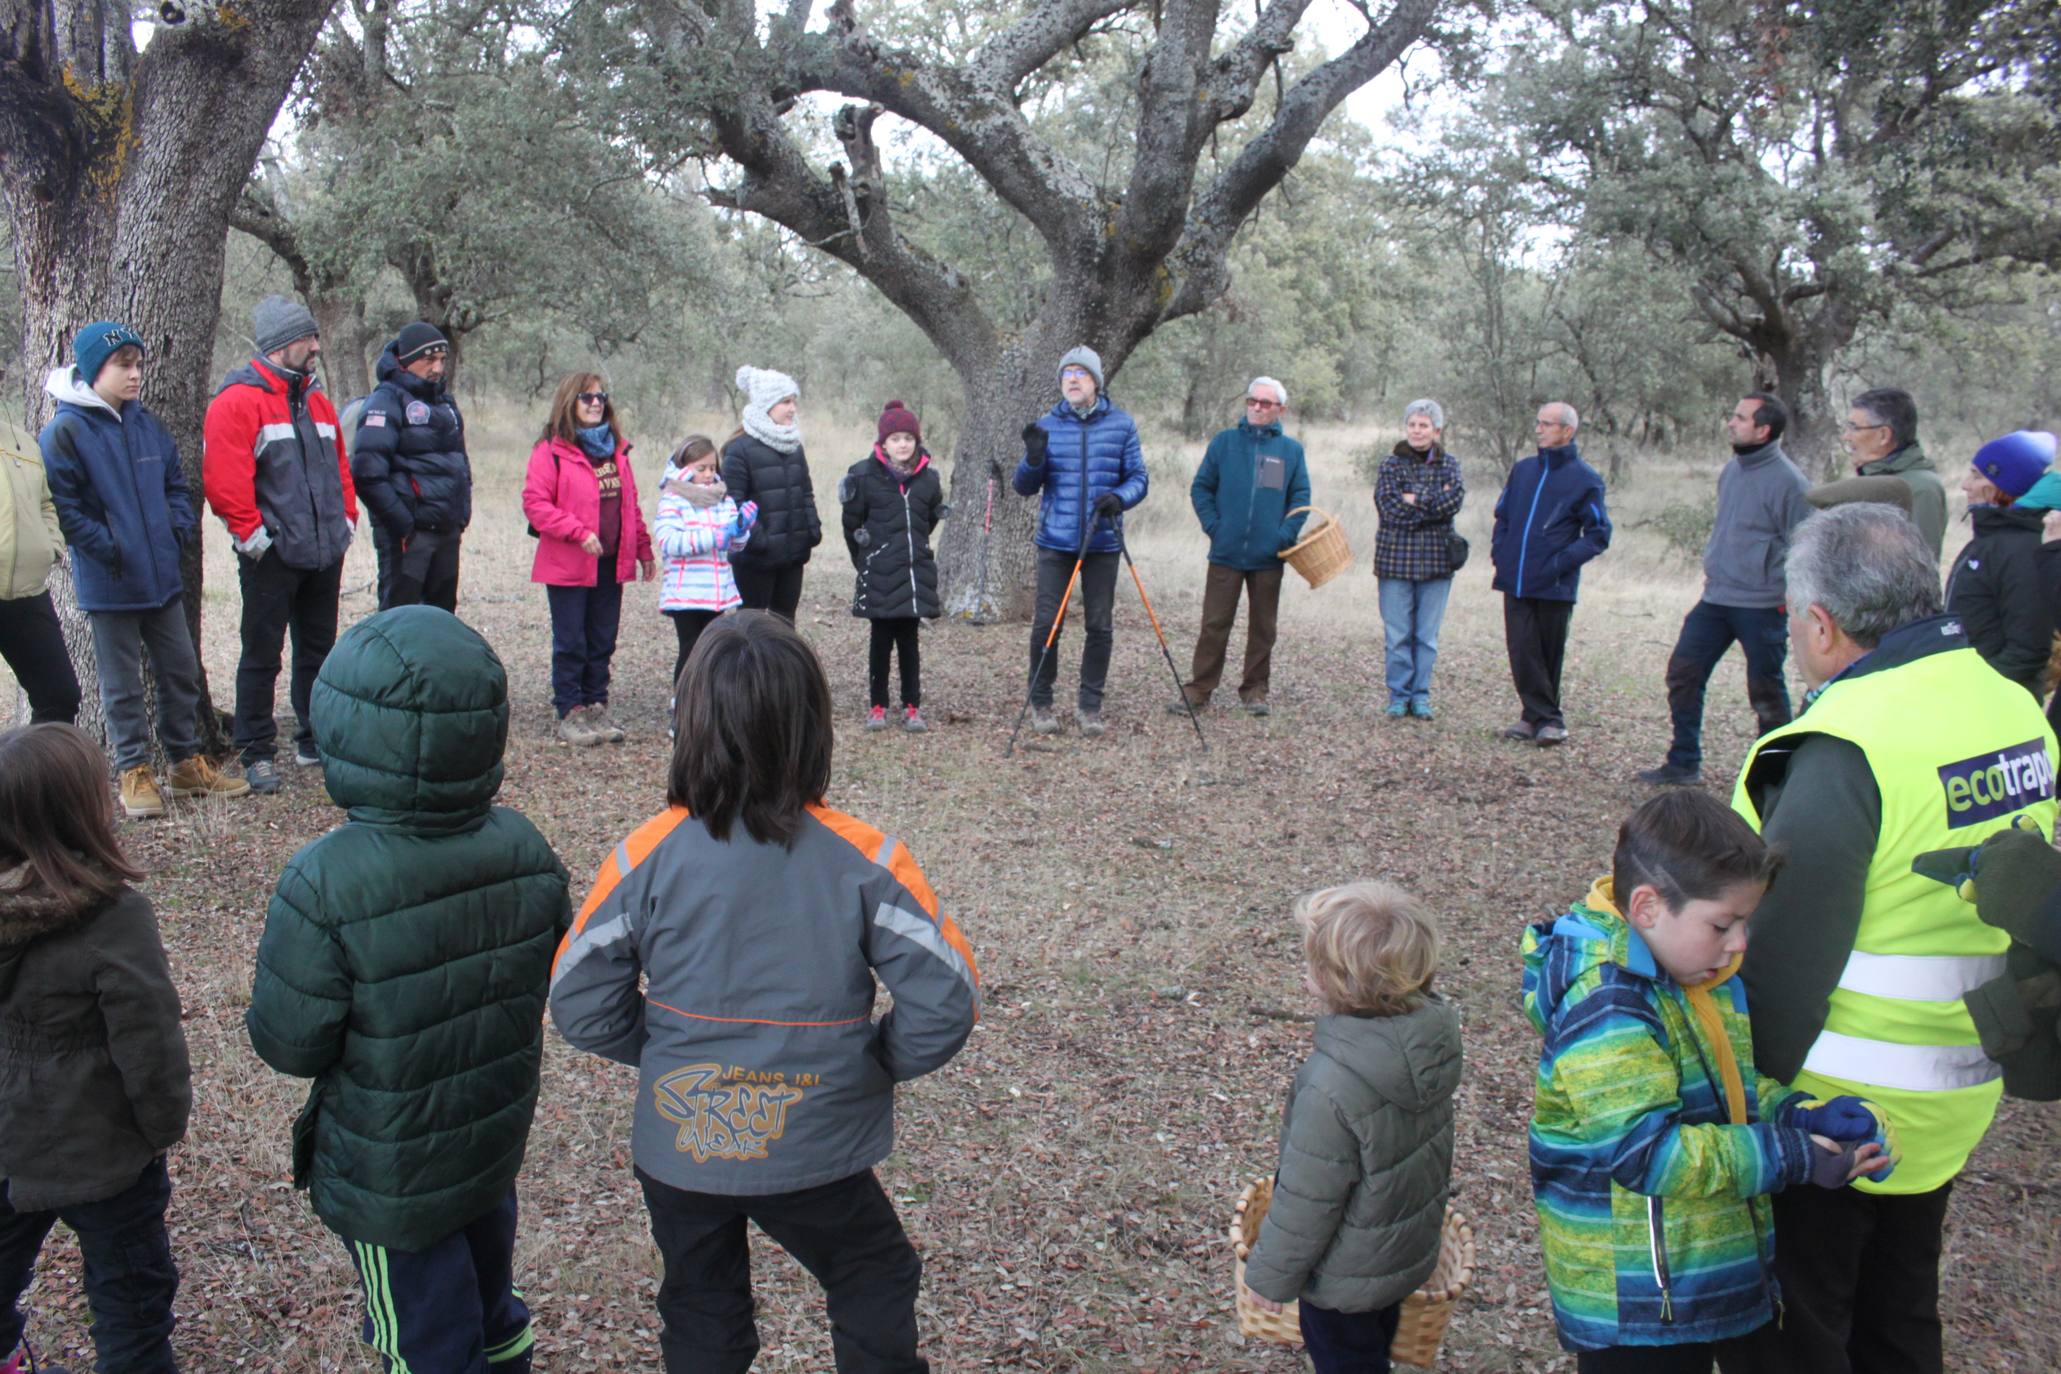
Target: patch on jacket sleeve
{"type": "Point", "coordinates": [375, 420]}
{"type": "Point", "coordinates": [727, 1113]}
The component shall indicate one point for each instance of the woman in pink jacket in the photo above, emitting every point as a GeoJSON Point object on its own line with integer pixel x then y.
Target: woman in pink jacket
{"type": "Point", "coordinates": [581, 499]}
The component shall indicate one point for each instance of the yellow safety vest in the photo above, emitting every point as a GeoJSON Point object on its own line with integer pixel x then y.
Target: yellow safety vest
{"type": "Point", "coordinates": [1957, 752]}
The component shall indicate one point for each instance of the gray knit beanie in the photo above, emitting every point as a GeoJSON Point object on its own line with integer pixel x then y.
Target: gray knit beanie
{"type": "Point", "coordinates": [1087, 357]}
{"type": "Point", "coordinates": [279, 321]}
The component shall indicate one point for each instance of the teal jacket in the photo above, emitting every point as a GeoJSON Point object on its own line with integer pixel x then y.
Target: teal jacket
{"type": "Point", "coordinates": [406, 953]}
{"type": "Point", "coordinates": [1251, 477]}
{"type": "Point", "coordinates": [1647, 1193]}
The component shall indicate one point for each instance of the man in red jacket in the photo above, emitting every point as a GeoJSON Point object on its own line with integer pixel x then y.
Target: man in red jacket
{"type": "Point", "coordinates": [274, 468]}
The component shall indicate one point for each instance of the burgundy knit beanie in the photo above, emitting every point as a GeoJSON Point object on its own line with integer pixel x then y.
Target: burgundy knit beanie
{"type": "Point", "coordinates": [899, 419]}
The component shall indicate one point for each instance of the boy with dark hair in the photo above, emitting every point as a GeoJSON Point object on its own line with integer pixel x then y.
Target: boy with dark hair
{"type": "Point", "coordinates": [1650, 1119]}
{"type": "Point", "coordinates": [122, 503]}
{"type": "Point", "coordinates": [403, 968]}
{"type": "Point", "coordinates": [758, 920]}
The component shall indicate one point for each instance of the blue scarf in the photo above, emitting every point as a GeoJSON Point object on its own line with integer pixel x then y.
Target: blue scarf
{"type": "Point", "coordinates": [597, 440]}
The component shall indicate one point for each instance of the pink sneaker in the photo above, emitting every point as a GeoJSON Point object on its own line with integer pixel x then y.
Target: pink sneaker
{"type": "Point", "coordinates": [876, 719]}
{"type": "Point", "coordinates": [913, 721]}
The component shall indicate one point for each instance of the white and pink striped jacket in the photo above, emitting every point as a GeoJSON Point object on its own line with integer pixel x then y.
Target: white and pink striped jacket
{"type": "Point", "coordinates": [696, 545]}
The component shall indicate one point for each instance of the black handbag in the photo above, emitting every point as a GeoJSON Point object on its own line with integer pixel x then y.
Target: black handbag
{"type": "Point", "coordinates": [1456, 550]}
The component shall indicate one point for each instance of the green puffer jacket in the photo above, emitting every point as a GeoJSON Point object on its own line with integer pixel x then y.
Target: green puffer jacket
{"type": "Point", "coordinates": [1366, 1163]}
{"type": "Point", "coordinates": [406, 954]}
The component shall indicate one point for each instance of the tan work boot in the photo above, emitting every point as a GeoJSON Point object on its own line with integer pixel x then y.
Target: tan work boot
{"type": "Point", "coordinates": [576, 729]}
{"type": "Point", "coordinates": [140, 797]}
{"type": "Point", "coordinates": [196, 777]}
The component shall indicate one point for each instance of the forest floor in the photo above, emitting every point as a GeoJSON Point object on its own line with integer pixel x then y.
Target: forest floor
{"type": "Point", "coordinates": [1069, 1178]}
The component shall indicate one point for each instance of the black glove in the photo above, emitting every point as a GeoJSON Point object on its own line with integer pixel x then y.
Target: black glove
{"type": "Point", "coordinates": [1035, 441]}
{"type": "Point", "coordinates": [995, 468]}
{"type": "Point", "coordinates": [1108, 506]}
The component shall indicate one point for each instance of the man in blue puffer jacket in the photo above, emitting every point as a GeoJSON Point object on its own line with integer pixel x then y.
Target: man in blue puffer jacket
{"type": "Point", "coordinates": [409, 461]}
{"type": "Point", "coordinates": [1549, 521]}
{"type": "Point", "coordinates": [1083, 455]}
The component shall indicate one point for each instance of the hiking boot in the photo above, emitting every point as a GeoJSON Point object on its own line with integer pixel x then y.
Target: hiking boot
{"type": "Point", "coordinates": [913, 721]}
{"type": "Point", "coordinates": [262, 776]}
{"type": "Point", "coordinates": [1090, 722]}
{"type": "Point", "coordinates": [196, 777]}
{"type": "Point", "coordinates": [1523, 730]}
{"type": "Point", "coordinates": [876, 718]}
{"type": "Point", "coordinates": [1398, 709]}
{"type": "Point", "coordinates": [304, 756]}
{"type": "Point", "coordinates": [1043, 722]}
{"type": "Point", "coordinates": [1669, 775]}
{"type": "Point", "coordinates": [574, 729]}
{"type": "Point", "coordinates": [605, 724]}
{"type": "Point", "coordinates": [1421, 709]}
{"type": "Point", "coordinates": [1256, 707]}
{"type": "Point", "coordinates": [140, 797]}
{"type": "Point", "coordinates": [1181, 706]}
{"type": "Point", "coordinates": [1550, 735]}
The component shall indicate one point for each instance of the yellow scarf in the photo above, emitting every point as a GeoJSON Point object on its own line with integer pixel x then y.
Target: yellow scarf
{"type": "Point", "coordinates": [1602, 897]}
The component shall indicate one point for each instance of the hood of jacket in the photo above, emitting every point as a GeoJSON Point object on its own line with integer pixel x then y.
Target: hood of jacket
{"type": "Point", "coordinates": [411, 715]}
{"type": "Point", "coordinates": [388, 369]}
{"type": "Point", "coordinates": [1411, 1060]}
{"type": "Point", "coordinates": [65, 386]}
{"type": "Point", "coordinates": [1558, 952]}
{"type": "Point", "coordinates": [1909, 458]}
{"type": "Point", "coordinates": [1990, 520]}
{"type": "Point", "coordinates": [28, 910]}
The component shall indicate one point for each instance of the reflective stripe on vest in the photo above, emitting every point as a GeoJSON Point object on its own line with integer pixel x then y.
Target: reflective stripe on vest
{"type": "Point", "coordinates": [1909, 1068]}
{"type": "Point", "coordinates": [1895, 1029]}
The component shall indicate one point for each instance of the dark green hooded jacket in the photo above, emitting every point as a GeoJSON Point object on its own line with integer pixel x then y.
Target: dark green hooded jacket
{"type": "Point", "coordinates": [406, 954]}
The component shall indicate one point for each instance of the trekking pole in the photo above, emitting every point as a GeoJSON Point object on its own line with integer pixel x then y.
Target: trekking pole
{"type": "Point", "coordinates": [987, 529]}
{"type": "Point", "coordinates": [1058, 619]}
{"type": "Point", "coordinates": [1165, 652]}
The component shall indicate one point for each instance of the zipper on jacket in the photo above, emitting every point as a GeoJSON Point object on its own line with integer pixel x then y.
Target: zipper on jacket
{"type": "Point", "coordinates": [1524, 543]}
{"type": "Point", "coordinates": [1087, 516]}
{"type": "Point", "coordinates": [1656, 1240]}
{"type": "Point", "coordinates": [909, 529]}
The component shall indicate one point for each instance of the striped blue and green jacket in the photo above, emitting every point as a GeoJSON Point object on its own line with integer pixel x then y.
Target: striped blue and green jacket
{"type": "Point", "coordinates": [1647, 1195]}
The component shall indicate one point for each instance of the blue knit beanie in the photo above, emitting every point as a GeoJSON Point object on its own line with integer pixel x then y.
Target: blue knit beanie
{"type": "Point", "coordinates": [2016, 461]}
{"type": "Point", "coordinates": [99, 341]}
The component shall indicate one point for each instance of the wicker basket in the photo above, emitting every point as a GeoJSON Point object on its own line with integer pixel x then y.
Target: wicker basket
{"type": "Point", "coordinates": [1322, 553]}
{"type": "Point", "coordinates": [1425, 1312]}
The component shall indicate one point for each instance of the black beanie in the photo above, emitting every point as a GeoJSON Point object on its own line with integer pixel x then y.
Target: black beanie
{"type": "Point", "coordinates": [416, 339]}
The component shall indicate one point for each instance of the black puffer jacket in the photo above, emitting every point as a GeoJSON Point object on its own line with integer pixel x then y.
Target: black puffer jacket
{"type": "Point", "coordinates": [1996, 590]}
{"type": "Point", "coordinates": [94, 1080]}
{"type": "Point", "coordinates": [408, 457]}
{"type": "Point", "coordinates": [887, 528]}
{"type": "Point", "coordinates": [789, 526]}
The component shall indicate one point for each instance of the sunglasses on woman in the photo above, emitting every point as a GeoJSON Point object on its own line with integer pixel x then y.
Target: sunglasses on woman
{"type": "Point", "coordinates": [594, 398]}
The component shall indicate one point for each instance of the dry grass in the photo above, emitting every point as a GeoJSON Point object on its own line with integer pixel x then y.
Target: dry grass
{"type": "Point", "coordinates": [1070, 1177]}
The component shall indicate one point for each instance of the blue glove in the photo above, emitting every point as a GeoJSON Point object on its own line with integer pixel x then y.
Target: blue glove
{"type": "Point", "coordinates": [1843, 1119]}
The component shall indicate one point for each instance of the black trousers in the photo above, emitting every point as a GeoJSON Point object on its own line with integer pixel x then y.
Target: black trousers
{"type": "Point", "coordinates": [1647, 1359]}
{"type": "Point", "coordinates": [1094, 601]}
{"type": "Point", "coordinates": [845, 1233]}
{"type": "Point", "coordinates": [1348, 1342]}
{"type": "Point", "coordinates": [1860, 1286]}
{"type": "Point", "coordinates": [1535, 632]}
{"type": "Point", "coordinates": [422, 573]}
{"type": "Point", "coordinates": [891, 637]}
{"type": "Point", "coordinates": [130, 1277]}
{"type": "Point", "coordinates": [278, 600]}
{"type": "Point", "coordinates": [451, 1306]}
{"type": "Point", "coordinates": [770, 589]}
{"type": "Point", "coordinates": [1708, 632]}
{"type": "Point", "coordinates": [687, 628]}
{"type": "Point", "coordinates": [33, 646]}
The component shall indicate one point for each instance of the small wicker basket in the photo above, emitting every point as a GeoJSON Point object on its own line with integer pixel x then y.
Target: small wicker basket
{"type": "Point", "coordinates": [1322, 553]}
{"type": "Point", "coordinates": [1425, 1312]}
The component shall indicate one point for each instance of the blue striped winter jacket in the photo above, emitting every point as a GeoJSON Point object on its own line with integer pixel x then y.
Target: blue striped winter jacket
{"type": "Point", "coordinates": [1084, 459]}
{"type": "Point", "coordinates": [1549, 521]}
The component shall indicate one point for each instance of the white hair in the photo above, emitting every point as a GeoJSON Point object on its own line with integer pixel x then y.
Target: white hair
{"type": "Point", "coordinates": [1280, 391]}
{"type": "Point", "coordinates": [1569, 416]}
{"type": "Point", "coordinates": [1429, 409]}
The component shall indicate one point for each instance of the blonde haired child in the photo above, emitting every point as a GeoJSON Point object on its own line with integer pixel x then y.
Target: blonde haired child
{"type": "Point", "coordinates": [1367, 1138]}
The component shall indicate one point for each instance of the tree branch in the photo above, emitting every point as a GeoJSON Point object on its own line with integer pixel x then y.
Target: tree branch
{"type": "Point", "coordinates": [1005, 61]}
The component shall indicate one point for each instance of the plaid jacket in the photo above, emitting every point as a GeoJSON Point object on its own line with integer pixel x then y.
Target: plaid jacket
{"type": "Point", "coordinates": [1411, 543]}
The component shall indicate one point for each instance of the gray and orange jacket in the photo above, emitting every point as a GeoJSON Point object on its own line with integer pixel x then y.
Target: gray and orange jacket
{"type": "Point", "coordinates": [761, 1066]}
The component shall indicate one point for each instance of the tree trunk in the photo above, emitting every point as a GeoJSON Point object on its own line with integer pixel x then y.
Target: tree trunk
{"type": "Point", "coordinates": [119, 171]}
{"type": "Point", "coordinates": [347, 345]}
{"type": "Point", "coordinates": [999, 402]}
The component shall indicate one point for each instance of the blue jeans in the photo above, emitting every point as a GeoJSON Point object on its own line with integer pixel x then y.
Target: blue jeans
{"type": "Point", "coordinates": [1348, 1342]}
{"type": "Point", "coordinates": [451, 1306]}
{"type": "Point", "coordinates": [130, 1277]}
{"type": "Point", "coordinates": [584, 621]}
{"type": "Point", "coordinates": [1707, 633]}
{"type": "Point", "coordinates": [1411, 612]}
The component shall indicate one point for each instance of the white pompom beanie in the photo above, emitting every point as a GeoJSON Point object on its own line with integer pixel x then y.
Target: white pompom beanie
{"type": "Point", "coordinates": [764, 388]}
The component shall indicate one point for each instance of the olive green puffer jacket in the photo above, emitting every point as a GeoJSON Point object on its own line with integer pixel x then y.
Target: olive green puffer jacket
{"type": "Point", "coordinates": [406, 954]}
